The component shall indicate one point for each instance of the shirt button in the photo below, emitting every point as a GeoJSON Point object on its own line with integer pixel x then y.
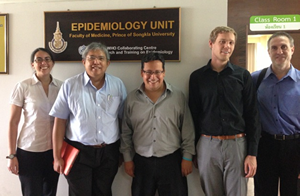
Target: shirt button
{"type": "Point", "coordinates": [154, 128]}
{"type": "Point", "coordinates": [99, 131]}
{"type": "Point", "coordinates": [154, 140]}
{"type": "Point", "coordinates": [98, 104]}
{"type": "Point", "coordinates": [99, 117]}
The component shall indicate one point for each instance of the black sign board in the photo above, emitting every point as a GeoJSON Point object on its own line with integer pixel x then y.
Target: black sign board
{"type": "Point", "coordinates": [128, 34]}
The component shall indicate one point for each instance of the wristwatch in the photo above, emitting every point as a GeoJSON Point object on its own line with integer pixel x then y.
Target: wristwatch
{"type": "Point", "coordinates": [11, 156]}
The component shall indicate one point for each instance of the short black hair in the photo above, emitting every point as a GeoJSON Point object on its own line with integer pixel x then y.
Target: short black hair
{"type": "Point", "coordinates": [41, 49]}
{"type": "Point", "coordinates": [152, 57]}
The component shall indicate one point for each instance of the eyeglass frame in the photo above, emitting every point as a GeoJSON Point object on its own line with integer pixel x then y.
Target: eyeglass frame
{"type": "Point", "coordinates": [156, 73]}
{"type": "Point", "coordinates": [41, 60]}
{"type": "Point", "coordinates": [93, 58]}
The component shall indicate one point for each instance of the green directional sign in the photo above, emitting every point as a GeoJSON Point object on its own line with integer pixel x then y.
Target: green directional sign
{"type": "Point", "coordinates": [275, 22]}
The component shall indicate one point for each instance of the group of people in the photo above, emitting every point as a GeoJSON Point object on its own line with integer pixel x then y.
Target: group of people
{"type": "Point", "coordinates": [234, 125]}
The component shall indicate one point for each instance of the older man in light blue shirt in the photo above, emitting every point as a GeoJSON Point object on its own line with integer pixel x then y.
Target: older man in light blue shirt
{"type": "Point", "coordinates": [87, 112]}
{"type": "Point", "coordinates": [91, 109]}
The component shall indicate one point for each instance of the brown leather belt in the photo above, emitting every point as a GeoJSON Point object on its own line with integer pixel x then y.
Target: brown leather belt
{"type": "Point", "coordinates": [225, 137]}
{"type": "Point", "coordinates": [98, 145]}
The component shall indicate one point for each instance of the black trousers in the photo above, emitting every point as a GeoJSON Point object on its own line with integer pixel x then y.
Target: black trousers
{"type": "Point", "coordinates": [162, 174]}
{"type": "Point", "coordinates": [94, 170]}
{"type": "Point", "coordinates": [277, 160]}
{"type": "Point", "coordinates": [36, 173]}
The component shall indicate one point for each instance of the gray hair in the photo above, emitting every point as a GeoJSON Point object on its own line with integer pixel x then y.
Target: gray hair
{"type": "Point", "coordinates": [95, 46]}
{"type": "Point", "coordinates": [284, 34]}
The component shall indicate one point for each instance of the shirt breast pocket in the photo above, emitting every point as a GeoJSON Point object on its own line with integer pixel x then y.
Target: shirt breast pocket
{"type": "Point", "coordinates": [112, 106]}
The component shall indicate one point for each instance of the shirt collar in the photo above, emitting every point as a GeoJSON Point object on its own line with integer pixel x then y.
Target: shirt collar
{"type": "Point", "coordinates": [86, 78]}
{"type": "Point", "coordinates": [228, 65]}
{"type": "Point", "coordinates": [291, 73]}
{"type": "Point", "coordinates": [35, 80]}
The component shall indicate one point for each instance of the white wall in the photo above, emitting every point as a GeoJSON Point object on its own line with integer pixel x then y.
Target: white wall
{"type": "Point", "coordinates": [26, 32]}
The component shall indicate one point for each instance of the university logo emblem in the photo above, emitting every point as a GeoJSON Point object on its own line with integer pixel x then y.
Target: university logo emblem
{"type": "Point", "coordinates": [57, 44]}
{"type": "Point", "coordinates": [81, 49]}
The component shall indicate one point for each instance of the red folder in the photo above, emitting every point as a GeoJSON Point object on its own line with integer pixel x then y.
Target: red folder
{"type": "Point", "coordinates": [69, 154]}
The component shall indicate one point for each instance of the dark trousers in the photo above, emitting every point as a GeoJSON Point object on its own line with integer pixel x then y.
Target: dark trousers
{"type": "Point", "coordinates": [162, 174]}
{"type": "Point", "coordinates": [94, 170]}
{"type": "Point", "coordinates": [36, 173]}
{"type": "Point", "coordinates": [277, 160]}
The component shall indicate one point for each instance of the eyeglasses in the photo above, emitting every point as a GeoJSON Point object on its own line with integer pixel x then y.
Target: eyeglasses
{"type": "Point", "coordinates": [40, 60]}
{"type": "Point", "coordinates": [150, 73]}
{"type": "Point", "coordinates": [93, 58]}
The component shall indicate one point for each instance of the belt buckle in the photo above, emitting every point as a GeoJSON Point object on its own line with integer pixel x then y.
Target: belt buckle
{"type": "Point", "coordinates": [99, 145]}
{"type": "Point", "coordinates": [279, 137]}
